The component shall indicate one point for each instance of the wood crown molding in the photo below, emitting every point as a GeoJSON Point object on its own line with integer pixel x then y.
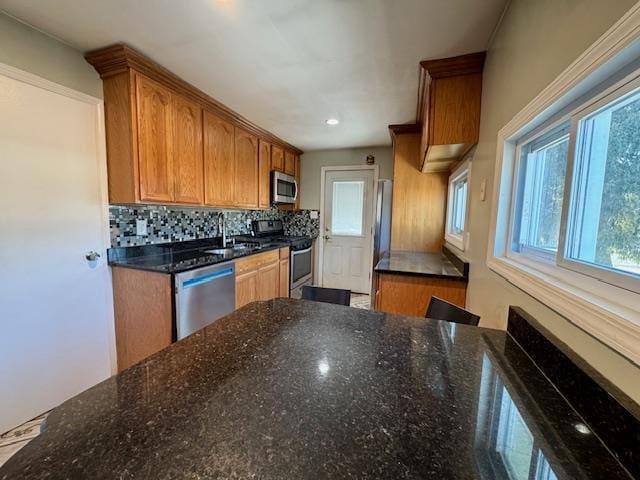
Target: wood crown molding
{"type": "Point", "coordinates": [120, 58]}
{"type": "Point", "coordinates": [404, 128]}
{"type": "Point", "coordinates": [454, 66]}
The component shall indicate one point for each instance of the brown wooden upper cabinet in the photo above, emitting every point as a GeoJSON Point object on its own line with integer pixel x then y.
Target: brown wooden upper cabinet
{"type": "Point", "coordinates": [154, 112]}
{"type": "Point", "coordinates": [230, 164]}
{"type": "Point", "coordinates": [449, 109]}
{"type": "Point", "coordinates": [245, 180]}
{"type": "Point", "coordinates": [289, 163]}
{"type": "Point", "coordinates": [187, 152]}
{"type": "Point", "coordinates": [264, 177]}
{"type": "Point", "coordinates": [168, 142]}
{"type": "Point", "coordinates": [164, 138]}
{"type": "Point", "coordinates": [277, 158]}
{"type": "Point", "coordinates": [219, 164]}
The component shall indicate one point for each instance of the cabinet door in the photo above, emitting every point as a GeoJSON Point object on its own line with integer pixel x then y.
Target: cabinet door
{"type": "Point", "coordinates": [284, 278]}
{"type": "Point", "coordinates": [289, 163]}
{"type": "Point", "coordinates": [154, 122]}
{"type": "Point", "coordinates": [269, 281]}
{"type": "Point", "coordinates": [187, 148]}
{"type": "Point", "coordinates": [264, 161]}
{"type": "Point", "coordinates": [246, 169]}
{"type": "Point", "coordinates": [246, 288]}
{"type": "Point", "coordinates": [219, 165]}
{"type": "Point", "coordinates": [277, 159]}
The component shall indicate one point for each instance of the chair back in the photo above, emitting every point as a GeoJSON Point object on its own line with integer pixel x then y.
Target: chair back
{"type": "Point", "coordinates": [327, 295]}
{"type": "Point", "coordinates": [442, 310]}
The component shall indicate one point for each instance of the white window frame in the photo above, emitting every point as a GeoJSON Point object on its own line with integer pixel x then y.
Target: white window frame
{"type": "Point", "coordinates": [458, 240]}
{"type": "Point", "coordinates": [609, 313]}
{"type": "Point", "coordinates": [529, 252]}
{"type": "Point", "coordinates": [614, 277]}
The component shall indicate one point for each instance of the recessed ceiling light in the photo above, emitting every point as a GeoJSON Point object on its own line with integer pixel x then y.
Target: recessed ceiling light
{"type": "Point", "coordinates": [333, 121]}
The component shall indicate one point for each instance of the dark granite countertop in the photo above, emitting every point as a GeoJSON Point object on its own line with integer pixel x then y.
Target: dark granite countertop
{"type": "Point", "coordinates": [419, 263]}
{"type": "Point", "coordinates": [292, 389]}
{"type": "Point", "coordinates": [179, 257]}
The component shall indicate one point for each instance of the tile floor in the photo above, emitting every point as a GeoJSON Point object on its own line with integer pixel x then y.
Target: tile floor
{"type": "Point", "coordinates": [360, 301]}
{"type": "Point", "coordinates": [15, 439]}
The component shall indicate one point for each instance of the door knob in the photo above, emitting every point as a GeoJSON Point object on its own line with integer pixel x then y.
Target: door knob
{"type": "Point", "coordinates": [327, 237]}
{"type": "Point", "coordinates": [92, 256]}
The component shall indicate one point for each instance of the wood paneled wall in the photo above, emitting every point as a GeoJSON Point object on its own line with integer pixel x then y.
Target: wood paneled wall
{"type": "Point", "coordinates": [419, 199]}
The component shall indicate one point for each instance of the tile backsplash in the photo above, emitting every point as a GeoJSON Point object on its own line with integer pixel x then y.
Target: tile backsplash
{"type": "Point", "coordinates": [301, 223]}
{"type": "Point", "coordinates": [175, 224]}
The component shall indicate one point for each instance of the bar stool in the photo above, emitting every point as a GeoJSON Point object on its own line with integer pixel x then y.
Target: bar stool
{"type": "Point", "coordinates": [327, 295]}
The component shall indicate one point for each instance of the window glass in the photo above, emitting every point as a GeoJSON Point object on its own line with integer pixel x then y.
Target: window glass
{"type": "Point", "coordinates": [604, 227]}
{"type": "Point", "coordinates": [459, 206]}
{"type": "Point", "coordinates": [457, 199]}
{"type": "Point", "coordinates": [540, 192]}
{"type": "Point", "coordinates": [347, 208]}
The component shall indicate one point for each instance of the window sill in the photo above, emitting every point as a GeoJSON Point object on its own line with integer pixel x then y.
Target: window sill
{"type": "Point", "coordinates": [610, 319]}
{"type": "Point", "coordinates": [455, 240]}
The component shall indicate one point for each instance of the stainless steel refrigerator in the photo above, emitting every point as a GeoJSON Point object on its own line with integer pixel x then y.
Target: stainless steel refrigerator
{"type": "Point", "coordinates": [382, 228]}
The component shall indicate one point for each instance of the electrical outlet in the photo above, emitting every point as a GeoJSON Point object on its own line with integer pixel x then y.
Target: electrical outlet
{"type": "Point", "coordinates": [141, 228]}
{"type": "Point", "coordinates": [314, 214]}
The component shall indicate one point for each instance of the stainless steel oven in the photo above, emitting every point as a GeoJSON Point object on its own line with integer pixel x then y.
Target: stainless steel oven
{"type": "Point", "coordinates": [300, 267]}
{"type": "Point", "coordinates": [284, 188]}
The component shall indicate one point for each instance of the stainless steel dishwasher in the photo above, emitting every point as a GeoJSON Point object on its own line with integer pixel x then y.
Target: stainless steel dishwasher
{"type": "Point", "coordinates": [203, 296]}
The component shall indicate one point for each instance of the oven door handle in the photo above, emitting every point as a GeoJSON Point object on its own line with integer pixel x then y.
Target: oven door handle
{"type": "Point", "coordinates": [297, 252]}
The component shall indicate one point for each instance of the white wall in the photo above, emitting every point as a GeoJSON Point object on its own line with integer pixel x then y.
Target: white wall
{"type": "Point", "coordinates": [312, 162]}
{"type": "Point", "coordinates": [536, 41]}
{"type": "Point", "coordinates": [27, 49]}
{"type": "Point", "coordinates": [62, 343]}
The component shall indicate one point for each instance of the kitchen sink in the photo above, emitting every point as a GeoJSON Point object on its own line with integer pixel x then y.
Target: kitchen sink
{"type": "Point", "coordinates": [227, 252]}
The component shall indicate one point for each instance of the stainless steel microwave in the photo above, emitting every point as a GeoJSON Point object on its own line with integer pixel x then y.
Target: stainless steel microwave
{"type": "Point", "coordinates": [284, 188]}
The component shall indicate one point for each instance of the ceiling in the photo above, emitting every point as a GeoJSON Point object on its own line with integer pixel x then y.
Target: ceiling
{"type": "Point", "coordinates": [287, 65]}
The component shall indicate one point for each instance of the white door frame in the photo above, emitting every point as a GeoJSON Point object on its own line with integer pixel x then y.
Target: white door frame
{"type": "Point", "coordinates": [323, 174]}
{"type": "Point", "coordinates": [101, 156]}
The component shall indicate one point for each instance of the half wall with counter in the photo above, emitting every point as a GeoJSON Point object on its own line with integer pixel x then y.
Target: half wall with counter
{"type": "Point", "coordinates": [406, 281]}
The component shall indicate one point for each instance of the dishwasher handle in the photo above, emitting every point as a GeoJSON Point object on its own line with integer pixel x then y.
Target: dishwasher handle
{"type": "Point", "coordinates": [209, 277]}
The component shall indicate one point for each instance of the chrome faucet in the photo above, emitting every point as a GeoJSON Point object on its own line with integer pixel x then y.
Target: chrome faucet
{"type": "Point", "coordinates": [222, 230]}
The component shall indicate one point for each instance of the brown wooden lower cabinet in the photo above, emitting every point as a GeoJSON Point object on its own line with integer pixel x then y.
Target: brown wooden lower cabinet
{"type": "Point", "coordinates": [143, 301]}
{"type": "Point", "coordinates": [269, 281]}
{"type": "Point", "coordinates": [143, 314]}
{"type": "Point", "coordinates": [246, 288]}
{"type": "Point", "coordinates": [262, 276]}
{"type": "Point", "coordinates": [410, 294]}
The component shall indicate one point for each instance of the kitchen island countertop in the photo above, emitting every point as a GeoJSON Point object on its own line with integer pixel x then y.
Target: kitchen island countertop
{"type": "Point", "coordinates": [419, 263]}
{"type": "Point", "coordinates": [298, 389]}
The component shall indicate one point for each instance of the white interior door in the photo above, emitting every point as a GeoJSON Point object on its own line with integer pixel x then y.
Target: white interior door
{"type": "Point", "coordinates": [57, 315]}
{"type": "Point", "coordinates": [348, 210]}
